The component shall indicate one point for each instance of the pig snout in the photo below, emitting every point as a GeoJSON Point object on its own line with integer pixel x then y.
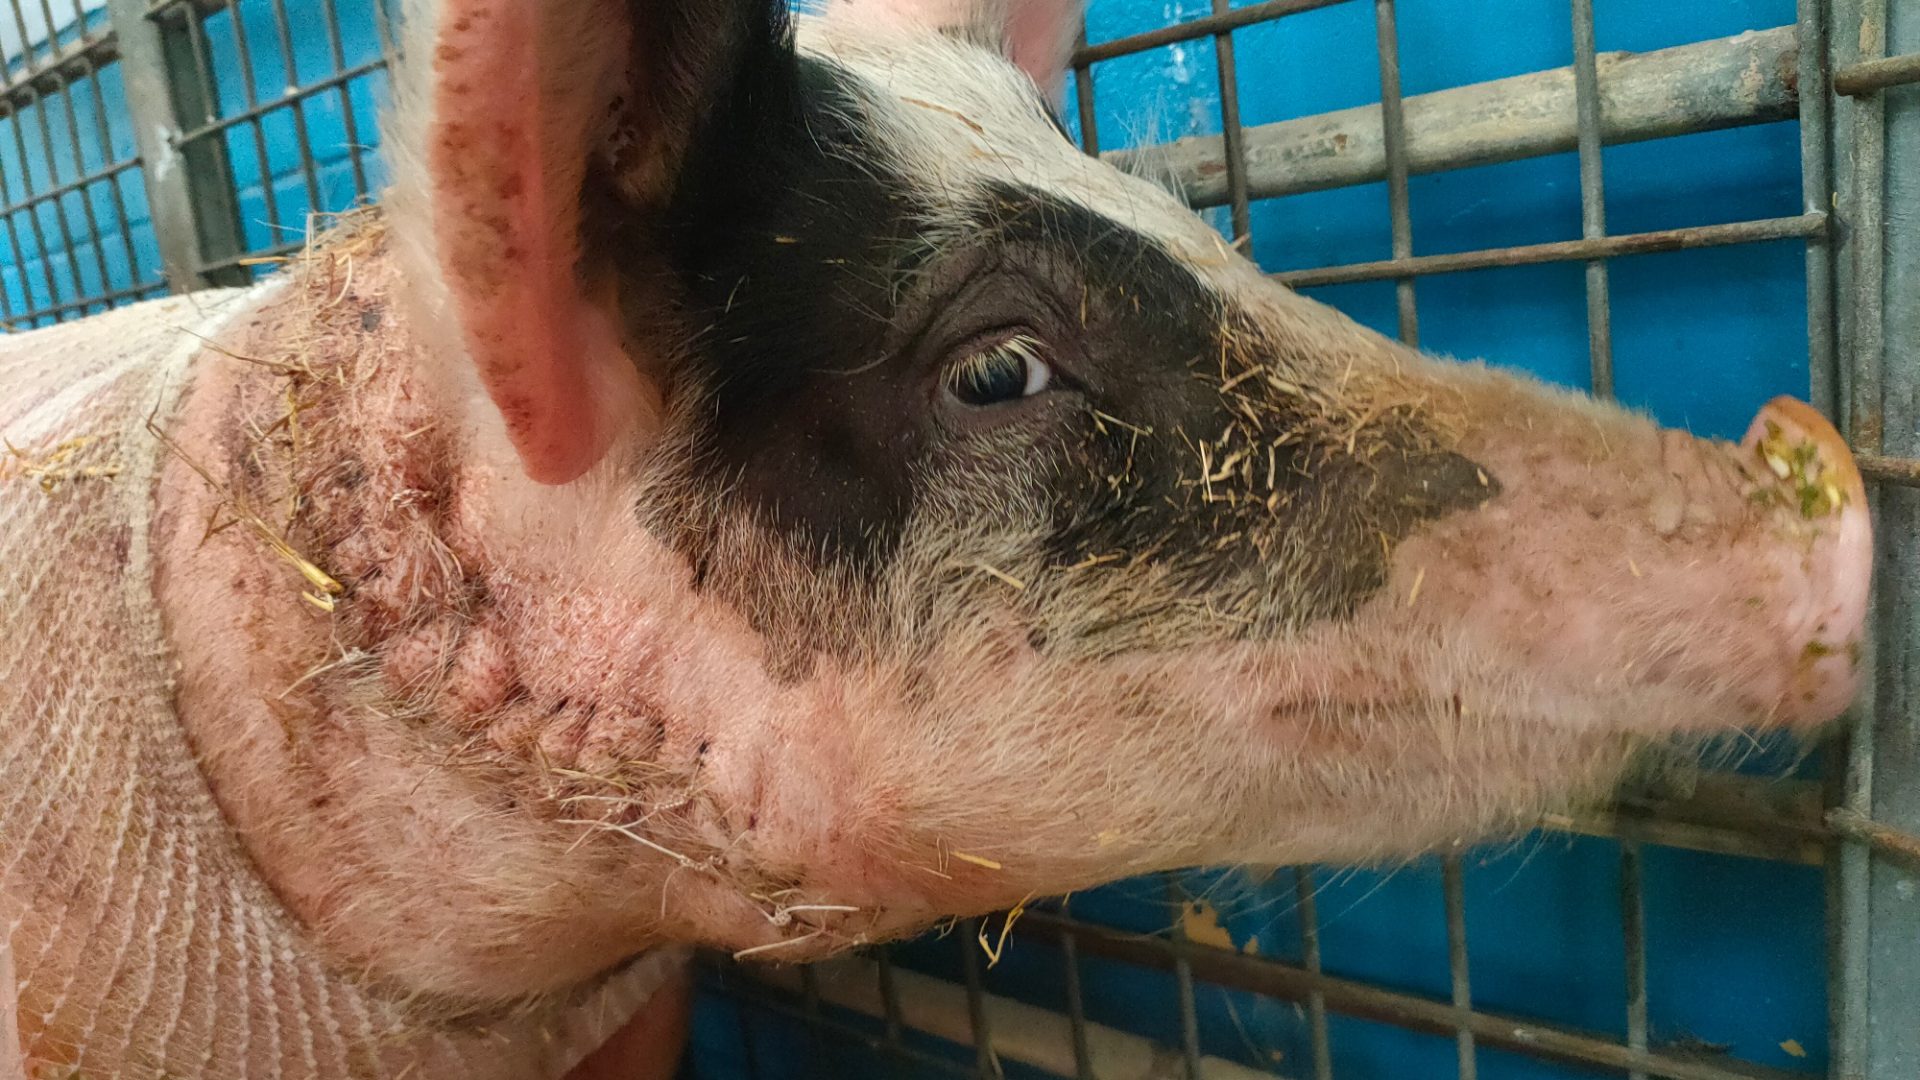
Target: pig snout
{"type": "Point", "coordinates": [1698, 583]}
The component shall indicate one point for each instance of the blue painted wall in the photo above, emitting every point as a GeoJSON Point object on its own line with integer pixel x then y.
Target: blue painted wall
{"type": "Point", "coordinates": [1702, 338]}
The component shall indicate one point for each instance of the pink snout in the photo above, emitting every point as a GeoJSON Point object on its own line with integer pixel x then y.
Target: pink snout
{"type": "Point", "coordinates": [1810, 463]}
{"type": "Point", "coordinates": [1691, 585]}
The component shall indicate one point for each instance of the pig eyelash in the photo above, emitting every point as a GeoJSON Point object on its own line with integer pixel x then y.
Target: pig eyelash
{"type": "Point", "coordinates": [1009, 369]}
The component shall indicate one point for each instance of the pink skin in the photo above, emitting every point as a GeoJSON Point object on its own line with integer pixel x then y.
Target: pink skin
{"type": "Point", "coordinates": [1626, 585]}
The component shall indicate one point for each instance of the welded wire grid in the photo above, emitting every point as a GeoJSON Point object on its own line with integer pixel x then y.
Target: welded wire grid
{"type": "Point", "coordinates": [68, 175]}
{"type": "Point", "coordinates": [1871, 941]}
{"type": "Point", "coordinates": [210, 89]}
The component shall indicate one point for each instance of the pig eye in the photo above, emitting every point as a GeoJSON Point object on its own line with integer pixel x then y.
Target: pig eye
{"type": "Point", "coordinates": [1006, 370]}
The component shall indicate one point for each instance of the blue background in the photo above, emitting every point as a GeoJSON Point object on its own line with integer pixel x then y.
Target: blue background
{"type": "Point", "coordinates": [1735, 947]}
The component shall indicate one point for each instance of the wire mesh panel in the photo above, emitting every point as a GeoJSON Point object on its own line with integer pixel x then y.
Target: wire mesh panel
{"type": "Point", "coordinates": [74, 226]}
{"type": "Point", "coordinates": [283, 96]}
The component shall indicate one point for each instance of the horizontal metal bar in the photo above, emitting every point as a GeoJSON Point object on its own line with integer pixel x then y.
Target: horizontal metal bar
{"type": "Point", "coordinates": [1728, 82]}
{"type": "Point", "coordinates": [71, 186]}
{"type": "Point", "coordinates": [1206, 26]}
{"type": "Point", "coordinates": [740, 985]}
{"type": "Point", "coordinates": [281, 251]}
{"type": "Point", "coordinates": [1885, 838]}
{"type": "Point", "coordinates": [287, 101]}
{"type": "Point", "coordinates": [1870, 76]}
{"type": "Point", "coordinates": [1891, 470]}
{"type": "Point", "coordinates": [1607, 247]}
{"type": "Point", "coordinates": [1263, 975]}
{"type": "Point", "coordinates": [1724, 813]}
{"type": "Point", "coordinates": [1025, 1033]}
{"type": "Point", "coordinates": [79, 305]}
{"type": "Point", "coordinates": [90, 53]}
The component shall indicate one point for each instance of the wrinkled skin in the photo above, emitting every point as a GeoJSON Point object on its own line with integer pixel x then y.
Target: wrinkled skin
{"type": "Point", "coordinates": [780, 497]}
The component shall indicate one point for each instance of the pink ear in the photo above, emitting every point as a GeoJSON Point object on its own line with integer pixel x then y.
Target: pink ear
{"type": "Point", "coordinates": [1039, 38]}
{"type": "Point", "coordinates": [522, 91]}
{"type": "Point", "coordinates": [1037, 35]}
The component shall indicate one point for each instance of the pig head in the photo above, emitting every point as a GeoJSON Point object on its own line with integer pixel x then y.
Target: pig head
{"type": "Point", "coordinates": [763, 488]}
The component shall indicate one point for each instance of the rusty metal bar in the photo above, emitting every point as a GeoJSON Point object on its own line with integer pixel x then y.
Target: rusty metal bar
{"type": "Point", "coordinates": [889, 998]}
{"type": "Point", "coordinates": [1303, 892]}
{"type": "Point", "coordinates": [1076, 1003]}
{"type": "Point", "coordinates": [1593, 202]}
{"type": "Point", "coordinates": [1230, 134]}
{"type": "Point", "coordinates": [986, 1066]}
{"type": "Point", "coordinates": [1853, 825]}
{"type": "Point", "coordinates": [1188, 1011]}
{"type": "Point", "coordinates": [1633, 940]}
{"type": "Point", "coordinates": [1816, 196]}
{"type": "Point", "coordinates": [1453, 886]}
{"type": "Point", "coordinates": [1696, 236]}
{"type": "Point", "coordinates": [1730, 82]}
{"type": "Point", "coordinates": [1261, 975]}
{"type": "Point", "coordinates": [1889, 470]}
{"type": "Point", "coordinates": [1872, 76]}
{"type": "Point", "coordinates": [1083, 101]}
{"type": "Point", "coordinates": [1205, 26]}
{"type": "Point", "coordinates": [1393, 134]}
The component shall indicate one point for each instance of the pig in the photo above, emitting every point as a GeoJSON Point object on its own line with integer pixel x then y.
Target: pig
{"type": "Point", "coordinates": [755, 485]}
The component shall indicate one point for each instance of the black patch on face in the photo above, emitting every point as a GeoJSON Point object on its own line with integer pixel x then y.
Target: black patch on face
{"type": "Point", "coordinates": [830, 298]}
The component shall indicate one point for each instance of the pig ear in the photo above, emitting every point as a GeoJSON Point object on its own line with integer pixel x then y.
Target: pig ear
{"type": "Point", "coordinates": [1037, 35]}
{"type": "Point", "coordinates": [527, 99]}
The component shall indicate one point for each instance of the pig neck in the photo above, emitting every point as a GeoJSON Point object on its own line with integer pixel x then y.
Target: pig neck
{"type": "Point", "coordinates": [520, 747]}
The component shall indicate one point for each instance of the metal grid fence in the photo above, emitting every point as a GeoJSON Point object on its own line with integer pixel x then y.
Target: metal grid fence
{"type": "Point", "coordinates": [153, 124]}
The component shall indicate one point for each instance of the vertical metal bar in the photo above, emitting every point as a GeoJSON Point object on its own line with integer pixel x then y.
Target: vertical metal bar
{"type": "Point", "coordinates": [1083, 99]}
{"type": "Point", "coordinates": [1076, 1005]}
{"type": "Point", "coordinates": [299, 106]}
{"type": "Point", "coordinates": [1232, 141]}
{"type": "Point", "coordinates": [383, 30]}
{"type": "Point", "coordinates": [1893, 943]}
{"type": "Point", "coordinates": [32, 214]}
{"type": "Point", "coordinates": [103, 129]}
{"type": "Point", "coordinates": [1303, 891]}
{"type": "Point", "coordinates": [1593, 203]}
{"type": "Point", "coordinates": [1633, 933]}
{"type": "Point", "coordinates": [1183, 984]}
{"type": "Point", "coordinates": [1868, 228]}
{"type": "Point", "coordinates": [352, 127]}
{"type": "Point", "coordinates": [178, 226]}
{"type": "Point", "coordinates": [1816, 195]}
{"type": "Point", "coordinates": [33, 221]}
{"type": "Point", "coordinates": [889, 998]}
{"type": "Point", "coordinates": [80, 170]}
{"type": "Point", "coordinates": [251, 95]}
{"type": "Point", "coordinates": [986, 1063]}
{"type": "Point", "coordinates": [1394, 129]}
{"type": "Point", "coordinates": [1452, 883]}
{"type": "Point", "coordinates": [215, 199]}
